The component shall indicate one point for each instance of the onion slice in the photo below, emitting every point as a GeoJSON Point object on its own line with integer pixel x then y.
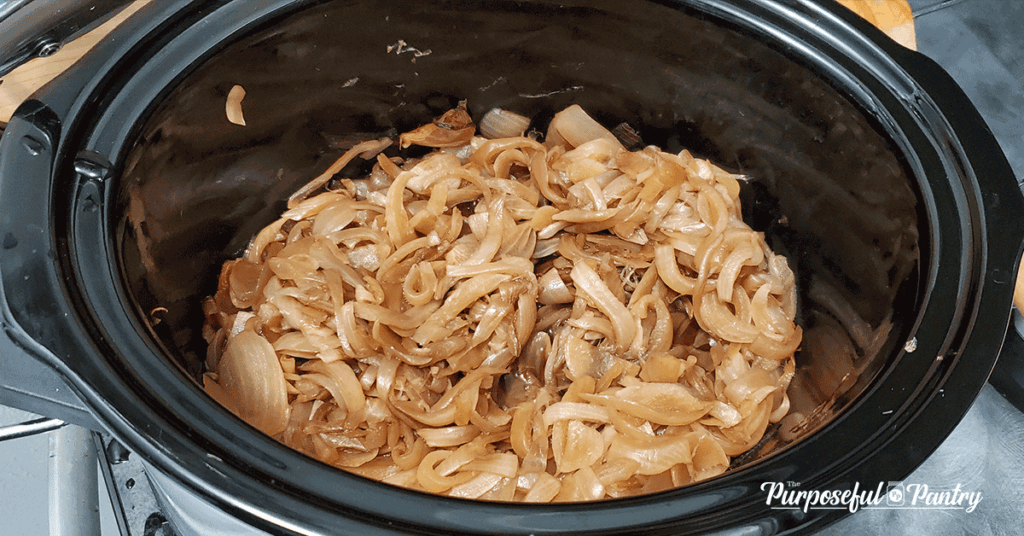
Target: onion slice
{"type": "Point", "coordinates": [590, 284]}
{"type": "Point", "coordinates": [498, 123]}
{"type": "Point", "coordinates": [576, 127]}
{"type": "Point", "coordinates": [233, 107]}
{"type": "Point", "coordinates": [453, 129]}
{"type": "Point", "coordinates": [251, 375]}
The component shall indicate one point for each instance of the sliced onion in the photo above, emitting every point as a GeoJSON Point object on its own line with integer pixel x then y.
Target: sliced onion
{"type": "Point", "coordinates": [349, 388]}
{"type": "Point", "coordinates": [754, 384]}
{"type": "Point", "coordinates": [428, 476]}
{"type": "Point", "coordinates": [464, 295]}
{"type": "Point", "coordinates": [544, 490]}
{"type": "Point", "coordinates": [478, 320]}
{"type": "Point", "coordinates": [453, 129]}
{"type": "Point", "coordinates": [366, 149]}
{"type": "Point", "coordinates": [476, 487]}
{"type": "Point", "coordinates": [505, 464]}
{"type": "Point", "coordinates": [653, 455]}
{"type": "Point", "coordinates": [564, 411]}
{"type": "Point", "coordinates": [250, 374]}
{"type": "Point", "coordinates": [576, 127]}
{"type": "Point", "coordinates": [498, 123]}
{"type": "Point", "coordinates": [233, 107]}
{"type": "Point", "coordinates": [589, 284]}
{"type": "Point", "coordinates": [451, 436]}
{"type": "Point", "coordinates": [582, 447]}
{"type": "Point", "coordinates": [617, 470]}
{"type": "Point", "coordinates": [661, 403]}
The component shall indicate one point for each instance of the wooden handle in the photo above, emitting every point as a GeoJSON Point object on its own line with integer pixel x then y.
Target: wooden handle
{"type": "Point", "coordinates": [20, 83]}
{"type": "Point", "coordinates": [894, 17]}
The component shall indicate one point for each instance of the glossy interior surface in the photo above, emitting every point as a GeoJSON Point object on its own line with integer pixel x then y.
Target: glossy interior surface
{"type": "Point", "coordinates": [826, 187]}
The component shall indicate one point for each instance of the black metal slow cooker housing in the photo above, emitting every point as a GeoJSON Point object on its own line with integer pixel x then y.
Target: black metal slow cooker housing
{"type": "Point", "coordinates": [123, 187]}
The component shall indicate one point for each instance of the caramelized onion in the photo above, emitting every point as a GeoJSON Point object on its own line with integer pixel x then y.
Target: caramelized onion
{"type": "Point", "coordinates": [453, 129]}
{"type": "Point", "coordinates": [249, 373]}
{"type": "Point", "coordinates": [508, 320]}
{"type": "Point", "coordinates": [498, 123]}
{"type": "Point", "coordinates": [233, 106]}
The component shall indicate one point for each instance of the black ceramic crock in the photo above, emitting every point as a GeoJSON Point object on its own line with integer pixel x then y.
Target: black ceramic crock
{"type": "Point", "coordinates": [123, 187]}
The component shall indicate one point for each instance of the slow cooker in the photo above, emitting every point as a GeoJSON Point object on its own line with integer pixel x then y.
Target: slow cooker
{"type": "Point", "coordinates": [123, 188]}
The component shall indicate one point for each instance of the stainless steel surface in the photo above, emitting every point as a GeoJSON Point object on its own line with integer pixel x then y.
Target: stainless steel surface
{"type": "Point", "coordinates": [191, 515]}
{"type": "Point", "coordinates": [47, 488]}
{"type": "Point", "coordinates": [24, 483]}
{"type": "Point", "coordinates": [29, 427]}
{"type": "Point", "coordinates": [74, 491]}
{"type": "Point", "coordinates": [131, 493]}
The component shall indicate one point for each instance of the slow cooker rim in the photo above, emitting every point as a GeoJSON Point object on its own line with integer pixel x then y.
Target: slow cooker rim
{"type": "Point", "coordinates": [139, 432]}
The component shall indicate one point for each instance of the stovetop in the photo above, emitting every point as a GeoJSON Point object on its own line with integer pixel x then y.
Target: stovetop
{"type": "Point", "coordinates": [978, 43]}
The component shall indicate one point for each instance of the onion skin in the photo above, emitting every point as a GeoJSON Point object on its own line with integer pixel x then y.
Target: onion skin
{"type": "Point", "coordinates": [453, 129]}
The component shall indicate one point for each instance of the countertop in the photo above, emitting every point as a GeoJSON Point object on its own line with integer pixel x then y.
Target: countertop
{"type": "Point", "coordinates": [979, 43]}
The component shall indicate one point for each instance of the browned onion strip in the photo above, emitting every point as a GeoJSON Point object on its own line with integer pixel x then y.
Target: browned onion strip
{"type": "Point", "coordinates": [366, 149]}
{"type": "Point", "coordinates": [233, 106]}
{"type": "Point", "coordinates": [509, 320]}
